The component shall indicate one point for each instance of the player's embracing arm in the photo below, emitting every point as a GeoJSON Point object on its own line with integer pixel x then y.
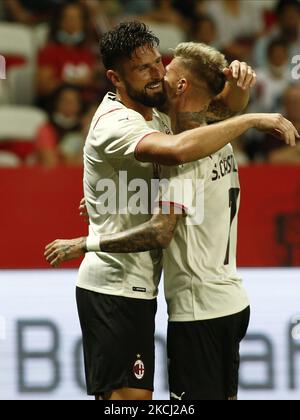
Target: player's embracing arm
{"type": "Point", "coordinates": [172, 204]}
{"type": "Point", "coordinates": [157, 233]}
{"type": "Point", "coordinates": [201, 142]}
{"type": "Point", "coordinates": [198, 143]}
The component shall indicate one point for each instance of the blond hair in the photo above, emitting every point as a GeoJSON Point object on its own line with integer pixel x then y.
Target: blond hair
{"type": "Point", "coordinates": [204, 62]}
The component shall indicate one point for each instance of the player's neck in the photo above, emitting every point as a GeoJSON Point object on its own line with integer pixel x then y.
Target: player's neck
{"type": "Point", "coordinates": [189, 114]}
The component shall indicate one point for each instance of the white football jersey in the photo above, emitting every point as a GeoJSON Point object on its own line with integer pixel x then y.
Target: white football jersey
{"type": "Point", "coordinates": [201, 280]}
{"type": "Point", "coordinates": [112, 177]}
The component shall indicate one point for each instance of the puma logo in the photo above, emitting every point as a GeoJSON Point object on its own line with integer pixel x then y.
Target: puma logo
{"type": "Point", "coordinates": [175, 397]}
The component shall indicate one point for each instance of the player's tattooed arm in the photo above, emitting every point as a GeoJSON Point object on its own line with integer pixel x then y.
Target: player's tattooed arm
{"type": "Point", "coordinates": [157, 233]}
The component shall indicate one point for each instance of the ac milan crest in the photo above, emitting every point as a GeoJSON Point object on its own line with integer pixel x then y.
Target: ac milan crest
{"type": "Point", "coordinates": [139, 368]}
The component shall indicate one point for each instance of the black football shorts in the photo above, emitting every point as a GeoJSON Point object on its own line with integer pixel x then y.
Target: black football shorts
{"type": "Point", "coordinates": [118, 341]}
{"type": "Point", "coordinates": [204, 357]}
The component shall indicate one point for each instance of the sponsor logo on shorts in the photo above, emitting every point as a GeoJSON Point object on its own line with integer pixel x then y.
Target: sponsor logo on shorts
{"type": "Point", "coordinates": [139, 368]}
{"type": "Point", "coordinates": [176, 397]}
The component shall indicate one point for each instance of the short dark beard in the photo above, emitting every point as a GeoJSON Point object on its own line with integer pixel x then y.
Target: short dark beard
{"type": "Point", "coordinates": [158, 99]}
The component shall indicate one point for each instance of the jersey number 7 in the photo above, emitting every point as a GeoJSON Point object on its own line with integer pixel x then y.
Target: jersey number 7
{"type": "Point", "coordinates": [233, 199]}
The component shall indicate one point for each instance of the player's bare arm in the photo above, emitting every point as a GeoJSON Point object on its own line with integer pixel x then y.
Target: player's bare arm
{"type": "Point", "coordinates": [201, 142]}
{"type": "Point", "coordinates": [157, 233]}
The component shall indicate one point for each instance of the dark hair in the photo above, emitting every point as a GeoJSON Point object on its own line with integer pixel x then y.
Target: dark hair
{"type": "Point", "coordinates": [204, 18]}
{"type": "Point", "coordinates": [282, 5]}
{"type": "Point", "coordinates": [121, 42]}
{"type": "Point", "coordinates": [276, 42]}
{"type": "Point", "coordinates": [198, 20]}
{"type": "Point", "coordinates": [56, 95]}
{"type": "Point", "coordinates": [58, 15]}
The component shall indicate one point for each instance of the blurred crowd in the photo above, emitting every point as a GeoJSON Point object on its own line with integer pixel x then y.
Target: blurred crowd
{"type": "Point", "coordinates": [55, 79]}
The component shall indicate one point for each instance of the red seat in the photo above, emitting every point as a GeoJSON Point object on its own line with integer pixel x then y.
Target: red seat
{"type": "Point", "coordinates": [24, 149]}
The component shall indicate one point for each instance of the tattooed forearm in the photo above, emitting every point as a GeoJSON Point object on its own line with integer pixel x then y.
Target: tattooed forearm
{"type": "Point", "coordinates": [157, 233]}
{"type": "Point", "coordinates": [218, 111]}
{"type": "Point", "coordinates": [190, 120]}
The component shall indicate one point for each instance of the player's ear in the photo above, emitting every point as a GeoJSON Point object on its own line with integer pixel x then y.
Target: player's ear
{"type": "Point", "coordinates": [182, 85]}
{"type": "Point", "coordinates": [114, 77]}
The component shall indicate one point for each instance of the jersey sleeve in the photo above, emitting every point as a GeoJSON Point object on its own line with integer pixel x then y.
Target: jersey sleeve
{"type": "Point", "coordinates": [117, 133]}
{"type": "Point", "coordinates": [183, 187]}
{"type": "Point", "coordinates": [176, 189]}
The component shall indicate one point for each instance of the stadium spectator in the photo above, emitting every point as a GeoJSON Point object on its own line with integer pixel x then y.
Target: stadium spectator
{"type": "Point", "coordinates": [165, 12]}
{"type": "Point", "coordinates": [2, 11]}
{"type": "Point", "coordinates": [31, 12]}
{"type": "Point", "coordinates": [204, 30]}
{"type": "Point", "coordinates": [67, 58]}
{"type": "Point", "coordinates": [267, 148]}
{"type": "Point", "coordinates": [190, 9]}
{"type": "Point", "coordinates": [291, 109]}
{"type": "Point", "coordinates": [231, 25]}
{"type": "Point", "coordinates": [137, 7]}
{"type": "Point", "coordinates": [103, 14]}
{"type": "Point", "coordinates": [239, 23]}
{"type": "Point", "coordinates": [288, 28]}
{"type": "Point", "coordinates": [59, 141]}
{"type": "Point", "coordinates": [71, 146]}
{"type": "Point", "coordinates": [273, 79]}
